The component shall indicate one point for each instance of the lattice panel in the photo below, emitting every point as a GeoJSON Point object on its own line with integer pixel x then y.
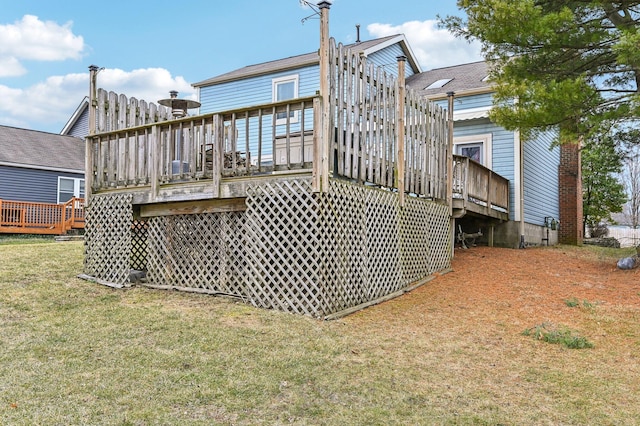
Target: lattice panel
{"type": "Point", "coordinates": [282, 244]}
{"type": "Point", "coordinates": [318, 254]}
{"type": "Point", "coordinates": [440, 231]}
{"type": "Point", "coordinates": [203, 251]}
{"type": "Point", "coordinates": [424, 230]}
{"type": "Point", "coordinates": [139, 231]}
{"type": "Point", "coordinates": [109, 219]}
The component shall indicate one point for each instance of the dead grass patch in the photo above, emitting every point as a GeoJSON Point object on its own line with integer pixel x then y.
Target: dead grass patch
{"type": "Point", "coordinates": [449, 352]}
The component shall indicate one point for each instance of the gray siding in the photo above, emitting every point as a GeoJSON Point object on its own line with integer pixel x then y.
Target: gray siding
{"type": "Point", "coordinates": [80, 128]}
{"type": "Point", "coordinates": [21, 184]}
{"type": "Point", "coordinates": [541, 179]}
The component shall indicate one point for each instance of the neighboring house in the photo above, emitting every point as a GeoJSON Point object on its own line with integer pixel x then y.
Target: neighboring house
{"type": "Point", "coordinates": [78, 124]}
{"type": "Point", "coordinates": [500, 150]}
{"type": "Point", "coordinates": [40, 167]}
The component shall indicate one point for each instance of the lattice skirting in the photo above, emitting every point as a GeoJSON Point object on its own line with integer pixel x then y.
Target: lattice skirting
{"type": "Point", "coordinates": [292, 249]}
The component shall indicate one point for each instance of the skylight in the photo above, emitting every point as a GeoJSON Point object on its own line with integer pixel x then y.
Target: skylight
{"type": "Point", "coordinates": [438, 83]}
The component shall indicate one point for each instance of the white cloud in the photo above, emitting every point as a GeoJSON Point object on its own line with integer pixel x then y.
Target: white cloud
{"type": "Point", "coordinates": [434, 47]}
{"type": "Point", "coordinates": [33, 39]}
{"type": "Point", "coordinates": [48, 105]}
{"type": "Point", "coordinates": [11, 67]}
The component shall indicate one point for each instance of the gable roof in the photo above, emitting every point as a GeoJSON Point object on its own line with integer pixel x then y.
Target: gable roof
{"type": "Point", "coordinates": [40, 150]}
{"type": "Point", "coordinates": [307, 59]}
{"type": "Point", "coordinates": [465, 79]}
{"type": "Point", "coordinates": [77, 114]}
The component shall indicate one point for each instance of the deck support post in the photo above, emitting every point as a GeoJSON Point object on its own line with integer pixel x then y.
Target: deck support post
{"type": "Point", "coordinates": [322, 134]}
{"type": "Point", "coordinates": [400, 130]}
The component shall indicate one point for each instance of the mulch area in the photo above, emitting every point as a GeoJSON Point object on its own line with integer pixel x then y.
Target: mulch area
{"type": "Point", "coordinates": [518, 288]}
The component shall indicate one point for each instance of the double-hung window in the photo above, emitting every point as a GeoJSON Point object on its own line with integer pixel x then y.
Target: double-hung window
{"type": "Point", "coordinates": [285, 88]}
{"type": "Point", "coordinates": [69, 188]}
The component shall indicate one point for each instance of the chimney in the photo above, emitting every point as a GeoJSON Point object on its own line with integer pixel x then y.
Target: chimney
{"type": "Point", "coordinates": [357, 33]}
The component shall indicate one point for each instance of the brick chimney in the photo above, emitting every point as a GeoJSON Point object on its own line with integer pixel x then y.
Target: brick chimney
{"type": "Point", "coordinates": [570, 193]}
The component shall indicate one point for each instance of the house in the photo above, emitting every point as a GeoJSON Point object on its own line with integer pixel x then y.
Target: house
{"type": "Point", "coordinates": [78, 123]}
{"type": "Point", "coordinates": [531, 167]}
{"type": "Point", "coordinates": [299, 186]}
{"type": "Point", "coordinates": [39, 166]}
{"type": "Point", "coordinates": [41, 180]}
{"type": "Point", "coordinates": [315, 184]}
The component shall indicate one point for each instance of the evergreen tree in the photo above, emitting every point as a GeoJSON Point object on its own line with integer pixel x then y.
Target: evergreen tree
{"type": "Point", "coordinates": [602, 192]}
{"type": "Point", "coordinates": [572, 65]}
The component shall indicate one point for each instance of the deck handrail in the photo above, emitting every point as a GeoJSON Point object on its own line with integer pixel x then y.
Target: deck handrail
{"type": "Point", "coordinates": [476, 183]}
{"type": "Point", "coordinates": [41, 218]}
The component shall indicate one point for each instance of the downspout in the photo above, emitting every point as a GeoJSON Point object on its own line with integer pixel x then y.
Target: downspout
{"type": "Point", "coordinates": [521, 188]}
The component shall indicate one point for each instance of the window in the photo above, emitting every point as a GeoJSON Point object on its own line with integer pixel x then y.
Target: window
{"type": "Point", "coordinates": [69, 188]}
{"type": "Point", "coordinates": [285, 88]}
{"type": "Point", "coordinates": [471, 150]}
{"type": "Point", "coordinates": [476, 147]}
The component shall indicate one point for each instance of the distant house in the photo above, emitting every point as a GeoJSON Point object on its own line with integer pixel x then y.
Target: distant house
{"type": "Point", "coordinates": [500, 150]}
{"type": "Point", "coordinates": [40, 167]}
{"type": "Point", "coordinates": [78, 124]}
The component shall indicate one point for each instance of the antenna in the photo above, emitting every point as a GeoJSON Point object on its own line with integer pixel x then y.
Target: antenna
{"type": "Point", "coordinates": [313, 6]}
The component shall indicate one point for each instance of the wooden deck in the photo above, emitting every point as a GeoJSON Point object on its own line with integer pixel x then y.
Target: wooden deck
{"type": "Point", "coordinates": [21, 217]}
{"type": "Point", "coordinates": [478, 190]}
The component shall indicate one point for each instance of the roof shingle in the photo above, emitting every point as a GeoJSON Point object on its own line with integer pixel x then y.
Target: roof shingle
{"type": "Point", "coordinates": [33, 148]}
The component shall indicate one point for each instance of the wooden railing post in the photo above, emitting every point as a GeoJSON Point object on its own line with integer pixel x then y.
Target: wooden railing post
{"type": "Point", "coordinates": [400, 130]}
{"type": "Point", "coordinates": [88, 141]}
{"type": "Point", "coordinates": [154, 161]}
{"type": "Point", "coordinates": [316, 176]}
{"type": "Point", "coordinates": [217, 153]}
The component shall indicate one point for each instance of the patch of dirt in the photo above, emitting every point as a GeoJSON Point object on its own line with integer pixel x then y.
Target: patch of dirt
{"type": "Point", "coordinates": [519, 288]}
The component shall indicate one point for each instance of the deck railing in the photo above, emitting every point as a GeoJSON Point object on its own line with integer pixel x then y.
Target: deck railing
{"type": "Point", "coordinates": [22, 217]}
{"type": "Point", "coordinates": [472, 182]}
{"type": "Point", "coordinates": [242, 142]}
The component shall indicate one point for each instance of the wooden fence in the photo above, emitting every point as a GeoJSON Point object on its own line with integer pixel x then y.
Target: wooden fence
{"type": "Point", "coordinates": [365, 107]}
{"type": "Point", "coordinates": [22, 217]}
{"type": "Point", "coordinates": [137, 144]}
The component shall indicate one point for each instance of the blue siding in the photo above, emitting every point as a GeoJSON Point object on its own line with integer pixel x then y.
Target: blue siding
{"type": "Point", "coordinates": [255, 90]}
{"type": "Point", "coordinates": [388, 59]}
{"type": "Point", "coordinates": [541, 179]}
{"type": "Point", "coordinates": [21, 184]}
{"type": "Point", "coordinates": [502, 142]}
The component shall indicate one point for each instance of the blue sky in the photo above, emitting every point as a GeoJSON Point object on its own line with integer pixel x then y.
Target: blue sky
{"type": "Point", "coordinates": [149, 48]}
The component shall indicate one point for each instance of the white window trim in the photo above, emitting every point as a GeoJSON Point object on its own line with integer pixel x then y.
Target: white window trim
{"type": "Point", "coordinates": [76, 186]}
{"type": "Point", "coordinates": [485, 139]}
{"type": "Point", "coordinates": [295, 78]}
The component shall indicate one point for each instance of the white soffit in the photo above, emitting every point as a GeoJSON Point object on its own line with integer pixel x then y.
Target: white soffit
{"type": "Point", "coordinates": [471, 113]}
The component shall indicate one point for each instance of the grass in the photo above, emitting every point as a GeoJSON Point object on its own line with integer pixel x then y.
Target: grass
{"type": "Point", "coordinates": [74, 352]}
{"type": "Point", "coordinates": [562, 335]}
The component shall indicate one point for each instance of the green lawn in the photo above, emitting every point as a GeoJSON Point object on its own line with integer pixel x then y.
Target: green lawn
{"type": "Point", "coordinates": [74, 352]}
